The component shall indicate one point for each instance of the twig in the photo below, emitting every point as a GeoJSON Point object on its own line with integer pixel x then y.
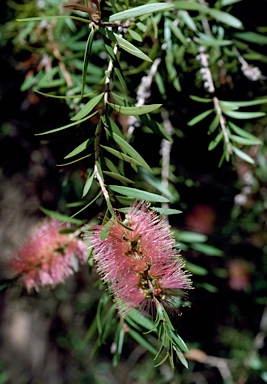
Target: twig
{"type": "Point", "coordinates": [223, 124]}
{"type": "Point", "coordinates": [143, 93]}
{"type": "Point", "coordinates": [203, 58]}
{"type": "Point", "coordinates": [165, 153]}
{"type": "Point", "coordinates": [251, 72]}
{"type": "Point", "coordinates": [100, 127]}
{"type": "Point", "coordinates": [101, 183]}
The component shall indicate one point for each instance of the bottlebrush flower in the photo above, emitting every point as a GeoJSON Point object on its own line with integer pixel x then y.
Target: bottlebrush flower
{"type": "Point", "coordinates": [141, 264]}
{"type": "Point", "coordinates": [47, 257]}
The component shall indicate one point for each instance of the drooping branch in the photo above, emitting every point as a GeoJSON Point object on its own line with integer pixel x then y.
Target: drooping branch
{"type": "Point", "coordinates": [203, 58]}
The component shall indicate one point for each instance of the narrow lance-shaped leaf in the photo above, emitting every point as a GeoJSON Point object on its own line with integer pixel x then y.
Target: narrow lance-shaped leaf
{"type": "Point", "coordinates": [135, 35]}
{"type": "Point", "coordinates": [138, 194]}
{"type": "Point", "coordinates": [88, 184]}
{"type": "Point", "coordinates": [87, 108]}
{"type": "Point", "coordinates": [80, 148]}
{"type": "Point", "coordinates": [243, 155]}
{"type": "Point", "coordinates": [135, 111]}
{"type": "Point", "coordinates": [119, 338]}
{"type": "Point", "coordinates": [61, 217]}
{"type": "Point", "coordinates": [244, 141]}
{"type": "Point", "coordinates": [121, 155]}
{"type": "Point", "coordinates": [199, 117]}
{"type": "Point", "coordinates": [128, 149]}
{"type": "Point", "coordinates": [241, 132]}
{"type": "Point", "coordinates": [207, 249]}
{"type": "Point", "coordinates": [66, 126]}
{"type": "Point", "coordinates": [119, 177]}
{"type": "Point", "coordinates": [214, 124]}
{"type": "Point", "coordinates": [87, 55]}
{"type": "Point", "coordinates": [225, 18]}
{"type": "Point", "coordinates": [247, 103]}
{"type": "Point", "coordinates": [166, 211]}
{"type": "Point", "coordinates": [74, 161]}
{"type": "Point", "coordinates": [177, 32]}
{"type": "Point", "coordinates": [140, 11]}
{"type": "Point", "coordinates": [154, 126]}
{"type": "Point", "coordinates": [221, 16]}
{"type": "Point", "coordinates": [124, 44]}
{"type": "Point", "coordinates": [216, 141]}
{"type": "Point", "coordinates": [41, 18]}
{"type": "Point", "coordinates": [244, 115]}
{"type": "Point", "coordinates": [252, 37]}
{"type": "Point", "coordinates": [142, 341]}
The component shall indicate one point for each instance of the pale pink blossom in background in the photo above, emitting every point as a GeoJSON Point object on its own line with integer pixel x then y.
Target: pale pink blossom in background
{"type": "Point", "coordinates": [140, 264]}
{"type": "Point", "coordinates": [47, 256]}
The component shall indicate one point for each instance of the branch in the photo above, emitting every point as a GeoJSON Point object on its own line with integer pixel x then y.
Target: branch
{"type": "Point", "coordinates": [223, 124]}
{"type": "Point", "coordinates": [165, 153]}
{"type": "Point", "coordinates": [143, 93]}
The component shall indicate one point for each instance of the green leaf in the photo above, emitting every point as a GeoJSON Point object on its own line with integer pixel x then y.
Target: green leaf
{"type": "Point", "coordinates": [135, 35]}
{"type": "Point", "coordinates": [177, 32]}
{"type": "Point", "coordinates": [207, 249]}
{"type": "Point", "coordinates": [74, 161]}
{"type": "Point", "coordinates": [138, 319]}
{"type": "Point", "coordinates": [166, 211]}
{"type": "Point", "coordinates": [190, 237]}
{"type": "Point", "coordinates": [119, 177]}
{"type": "Point", "coordinates": [244, 115]}
{"type": "Point", "coordinates": [195, 269]}
{"type": "Point", "coordinates": [88, 184]}
{"type": "Point", "coordinates": [209, 287]}
{"type": "Point", "coordinates": [111, 166]}
{"type": "Point", "coordinates": [87, 108]}
{"type": "Point", "coordinates": [87, 55]}
{"type": "Point", "coordinates": [244, 103]}
{"type": "Point", "coordinates": [134, 111]}
{"type": "Point", "coordinates": [157, 184]}
{"type": "Point", "coordinates": [243, 155]}
{"type": "Point", "coordinates": [200, 117]}
{"type": "Point", "coordinates": [119, 338]}
{"type": "Point", "coordinates": [124, 44]}
{"type": "Point", "coordinates": [142, 341]}
{"type": "Point", "coordinates": [190, 6]}
{"type": "Point", "coordinates": [154, 126]}
{"type": "Point", "coordinates": [252, 37]}
{"type": "Point", "coordinates": [228, 106]}
{"type": "Point", "coordinates": [214, 124]}
{"type": "Point", "coordinates": [138, 194]}
{"type": "Point", "coordinates": [80, 148]}
{"type": "Point", "coordinates": [140, 11]}
{"type": "Point", "coordinates": [181, 357]}
{"type": "Point", "coordinates": [179, 341]}
{"type": "Point", "coordinates": [121, 155]}
{"type": "Point", "coordinates": [243, 133]}
{"type": "Point", "coordinates": [245, 141]}
{"type": "Point", "coordinates": [225, 18]}
{"type": "Point", "coordinates": [200, 99]}
{"type": "Point", "coordinates": [115, 128]}
{"type": "Point", "coordinates": [187, 19]}
{"type": "Point", "coordinates": [216, 141]}
{"type": "Point", "coordinates": [61, 217]}
{"type": "Point", "coordinates": [55, 17]}
{"type": "Point", "coordinates": [225, 3]}
{"type": "Point", "coordinates": [218, 15]}
{"type": "Point", "coordinates": [128, 149]}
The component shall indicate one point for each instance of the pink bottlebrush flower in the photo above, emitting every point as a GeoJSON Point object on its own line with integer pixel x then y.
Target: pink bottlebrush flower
{"type": "Point", "coordinates": [47, 257]}
{"type": "Point", "coordinates": [140, 264]}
